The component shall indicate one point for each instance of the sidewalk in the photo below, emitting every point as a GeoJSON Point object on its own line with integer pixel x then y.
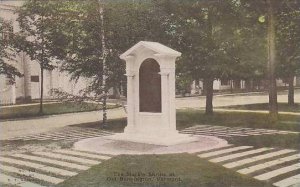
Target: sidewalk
{"type": "Point", "coordinates": [255, 111]}
{"type": "Point", "coordinates": [47, 103]}
{"type": "Point", "coordinates": [22, 127]}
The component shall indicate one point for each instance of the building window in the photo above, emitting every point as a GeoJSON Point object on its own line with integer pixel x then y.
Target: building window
{"type": "Point", "coordinates": [35, 78]}
{"type": "Point", "coordinates": [7, 30]}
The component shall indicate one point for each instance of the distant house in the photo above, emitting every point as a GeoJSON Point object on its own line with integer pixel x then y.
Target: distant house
{"type": "Point", "coordinates": [226, 84]}
{"type": "Point", "coordinates": [28, 86]}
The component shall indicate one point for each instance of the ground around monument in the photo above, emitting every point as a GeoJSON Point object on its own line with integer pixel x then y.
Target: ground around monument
{"type": "Point", "coordinates": [259, 153]}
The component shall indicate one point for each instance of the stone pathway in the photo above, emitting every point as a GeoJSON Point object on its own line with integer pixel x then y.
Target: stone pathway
{"type": "Point", "coordinates": [25, 127]}
{"type": "Point", "coordinates": [45, 168]}
{"type": "Point", "coordinates": [67, 134]}
{"type": "Point", "coordinates": [221, 131]}
{"type": "Point", "coordinates": [281, 167]}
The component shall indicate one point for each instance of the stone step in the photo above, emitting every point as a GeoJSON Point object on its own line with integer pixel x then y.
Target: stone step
{"type": "Point", "coordinates": [223, 133]}
{"type": "Point", "coordinates": [291, 181]}
{"type": "Point", "coordinates": [212, 128]}
{"type": "Point", "coordinates": [268, 164]}
{"type": "Point", "coordinates": [257, 158]}
{"type": "Point", "coordinates": [57, 136]}
{"type": "Point", "coordinates": [78, 153]}
{"type": "Point", "coordinates": [38, 166]}
{"type": "Point", "coordinates": [215, 149]}
{"type": "Point", "coordinates": [64, 157]}
{"type": "Point", "coordinates": [237, 155]}
{"type": "Point", "coordinates": [53, 180]}
{"type": "Point", "coordinates": [207, 134]}
{"type": "Point", "coordinates": [215, 153]}
{"type": "Point", "coordinates": [277, 172]}
{"type": "Point", "coordinates": [6, 179]}
{"type": "Point", "coordinates": [198, 126]}
{"type": "Point", "coordinates": [230, 131]}
{"type": "Point", "coordinates": [52, 161]}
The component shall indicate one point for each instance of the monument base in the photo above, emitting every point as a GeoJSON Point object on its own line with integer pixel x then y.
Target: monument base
{"type": "Point", "coordinates": [167, 140]}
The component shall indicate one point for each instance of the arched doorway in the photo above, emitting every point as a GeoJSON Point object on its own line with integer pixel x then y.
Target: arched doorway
{"type": "Point", "coordinates": [150, 86]}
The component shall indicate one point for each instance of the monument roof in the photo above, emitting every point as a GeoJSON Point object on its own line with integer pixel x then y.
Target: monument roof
{"type": "Point", "coordinates": [154, 46]}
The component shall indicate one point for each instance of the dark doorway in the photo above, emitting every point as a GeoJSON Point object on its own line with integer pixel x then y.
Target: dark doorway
{"type": "Point", "coordinates": [150, 87]}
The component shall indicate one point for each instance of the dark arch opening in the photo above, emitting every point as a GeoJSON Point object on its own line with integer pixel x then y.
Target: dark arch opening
{"type": "Point", "coordinates": [150, 86]}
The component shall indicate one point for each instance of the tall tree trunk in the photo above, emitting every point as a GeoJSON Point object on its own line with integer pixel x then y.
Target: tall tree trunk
{"type": "Point", "coordinates": [291, 100]}
{"type": "Point", "coordinates": [273, 106]}
{"type": "Point", "coordinates": [104, 76]}
{"type": "Point", "coordinates": [42, 90]}
{"type": "Point", "coordinates": [209, 83]}
{"type": "Point", "coordinates": [42, 63]}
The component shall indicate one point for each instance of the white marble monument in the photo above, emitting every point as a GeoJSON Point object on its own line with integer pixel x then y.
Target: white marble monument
{"type": "Point", "coordinates": [151, 112]}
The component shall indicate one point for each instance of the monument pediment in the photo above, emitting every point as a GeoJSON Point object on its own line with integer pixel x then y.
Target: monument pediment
{"type": "Point", "coordinates": [156, 47]}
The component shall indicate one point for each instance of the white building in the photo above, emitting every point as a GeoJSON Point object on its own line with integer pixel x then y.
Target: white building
{"type": "Point", "coordinates": [29, 85]}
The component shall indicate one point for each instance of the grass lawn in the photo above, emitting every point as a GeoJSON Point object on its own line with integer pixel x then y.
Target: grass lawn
{"type": "Point", "coordinates": [187, 118]}
{"type": "Point", "coordinates": [176, 170]}
{"type": "Point", "coordinates": [283, 107]}
{"type": "Point", "coordinates": [287, 141]}
{"type": "Point", "coordinates": [49, 109]}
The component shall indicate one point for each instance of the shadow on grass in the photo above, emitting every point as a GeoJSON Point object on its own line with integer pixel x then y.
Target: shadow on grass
{"type": "Point", "coordinates": [114, 125]}
{"type": "Point", "coordinates": [284, 107]}
{"type": "Point", "coordinates": [187, 118]}
{"type": "Point", "coordinates": [179, 170]}
{"type": "Point", "coordinates": [287, 141]}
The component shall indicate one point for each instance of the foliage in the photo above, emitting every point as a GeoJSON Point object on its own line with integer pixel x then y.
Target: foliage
{"type": "Point", "coordinates": [218, 39]}
{"type": "Point", "coordinates": [7, 53]}
{"type": "Point", "coordinates": [78, 37]}
{"type": "Point", "coordinates": [34, 18]}
{"type": "Point", "coordinates": [288, 39]}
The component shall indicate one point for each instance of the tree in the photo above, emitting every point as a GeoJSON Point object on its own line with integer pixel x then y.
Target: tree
{"type": "Point", "coordinates": [203, 31]}
{"type": "Point", "coordinates": [89, 36]}
{"type": "Point", "coordinates": [288, 42]}
{"type": "Point", "coordinates": [7, 53]}
{"type": "Point", "coordinates": [281, 17]}
{"type": "Point", "coordinates": [34, 20]}
{"type": "Point", "coordinates": [259, 10]}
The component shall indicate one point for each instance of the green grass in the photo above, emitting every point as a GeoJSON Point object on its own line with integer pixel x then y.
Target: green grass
{"type": "Point", "coordinates": [283, 107]}
{"type": "Point", "coordinates": [113, 125]}
{"type": "Point", "coordinates": [187, 118]}
{"type": "Point", "coordinates": [287, 141]}
{"type": "Point", "coordinates": [181, 170]}
{"type": "Point", "coordinates": [49, 109]}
